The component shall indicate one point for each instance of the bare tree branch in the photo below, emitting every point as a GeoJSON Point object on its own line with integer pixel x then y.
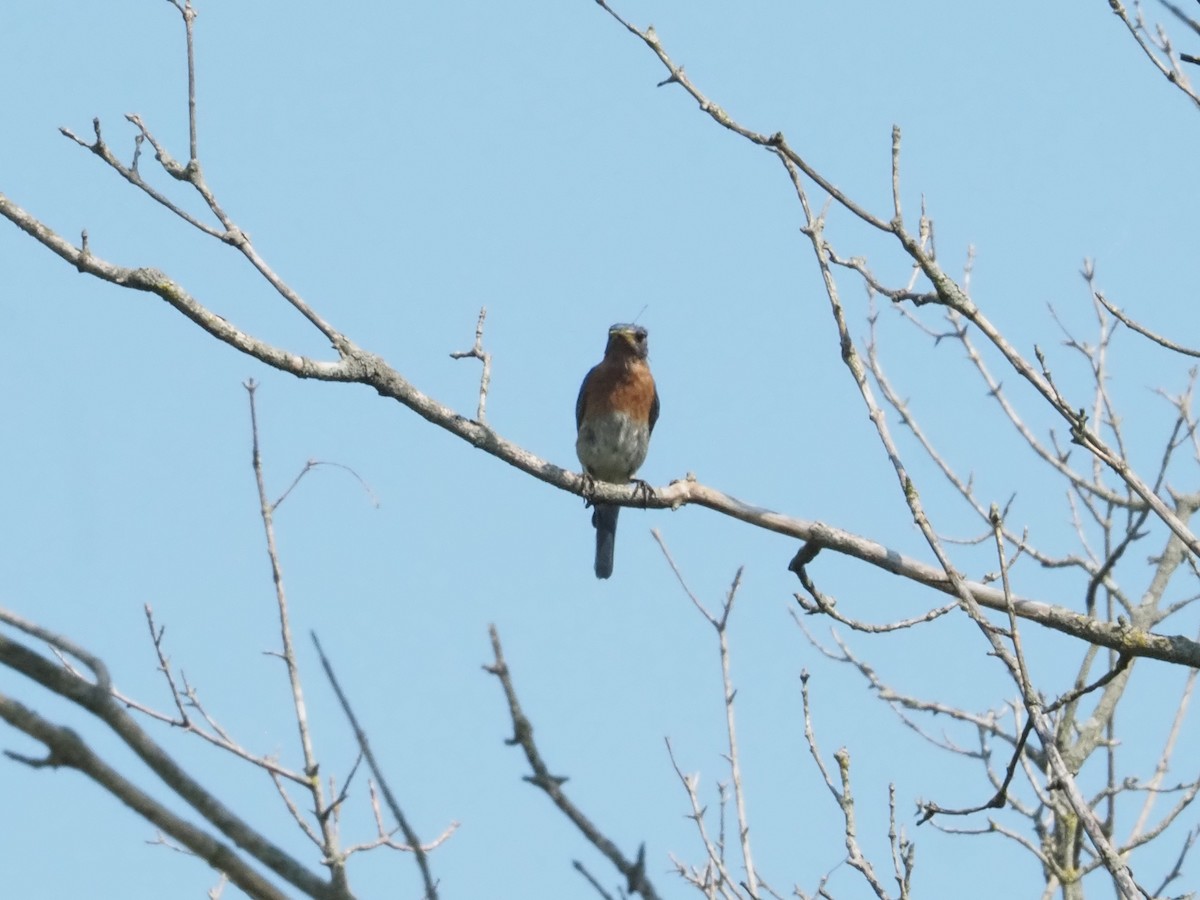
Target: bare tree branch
{"type": "Point", "coordinates": [844, 798]}
{"type": "Point", "coordinates": [1157, 47]}
{"type": "Point", "coordinates": [634, 871]}
{"type": "Point", "coordinates": [94, 698]}
{"type": "Point", "coordinates": [420, 851]}
{"type": "Point", "coordinates": [65, 748]}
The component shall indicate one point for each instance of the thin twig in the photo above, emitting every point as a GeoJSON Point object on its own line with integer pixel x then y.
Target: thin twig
{"type": "Point", "coordinates": [330, 841]}
{"type": "Point", "coordinates": [485, 378]}
{"type": "Point", "coordinates": [720, 625]}
{"type": "Point", "coordinates": [360, 735]}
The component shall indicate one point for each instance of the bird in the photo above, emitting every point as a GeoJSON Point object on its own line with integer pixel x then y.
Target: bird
{"type": "Point", "coordinates": [614, 417]}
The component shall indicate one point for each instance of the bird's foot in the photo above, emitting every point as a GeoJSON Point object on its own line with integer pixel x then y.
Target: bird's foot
{"type": "Point", "coordinates": [589, 489]}
{"type": "Point", "coordinates": [642, 489]}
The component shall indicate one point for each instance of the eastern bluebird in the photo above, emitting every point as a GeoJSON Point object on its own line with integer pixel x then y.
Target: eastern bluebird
{"type": "Point", "coordinates": [615, 414]}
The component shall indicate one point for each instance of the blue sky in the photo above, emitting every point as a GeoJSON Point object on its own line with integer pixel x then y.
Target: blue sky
{"type": "Point", "coordinates": [402, 165]}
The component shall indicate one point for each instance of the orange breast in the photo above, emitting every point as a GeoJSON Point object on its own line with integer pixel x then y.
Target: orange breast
{"type": "Point", "coordinates": [628, 389]}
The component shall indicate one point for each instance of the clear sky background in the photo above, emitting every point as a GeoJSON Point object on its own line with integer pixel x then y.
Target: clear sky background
{"type": "Point", "coordinates": [402, 164]}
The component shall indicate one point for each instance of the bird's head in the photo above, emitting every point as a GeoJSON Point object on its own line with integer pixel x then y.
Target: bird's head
{"type": "Point", "coordinates": [628, 340]}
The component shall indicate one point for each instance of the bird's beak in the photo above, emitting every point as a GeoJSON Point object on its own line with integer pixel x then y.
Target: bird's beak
{"type": "Point", "coordinates": [628, 336]}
